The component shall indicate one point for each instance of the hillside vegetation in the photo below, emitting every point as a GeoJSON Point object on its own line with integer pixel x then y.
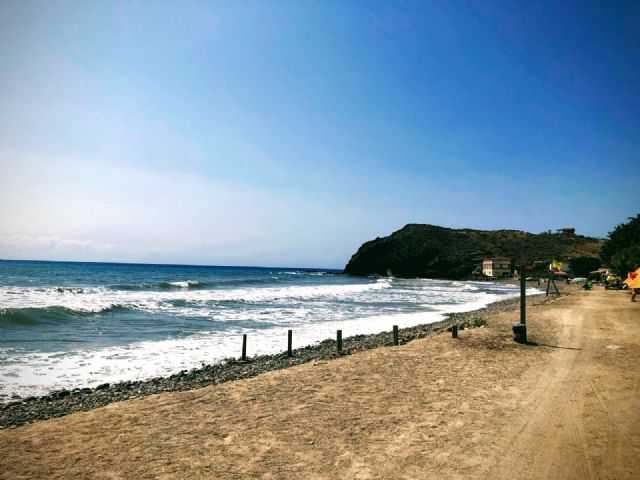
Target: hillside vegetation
{"type": "Point", "coordinates": [431, 251]}
{"type": "Point", "coordinates": [621, 250]}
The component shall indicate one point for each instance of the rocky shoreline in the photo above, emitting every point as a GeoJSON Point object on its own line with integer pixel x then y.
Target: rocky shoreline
{"type": "Point", "coordinates": [65, 402]}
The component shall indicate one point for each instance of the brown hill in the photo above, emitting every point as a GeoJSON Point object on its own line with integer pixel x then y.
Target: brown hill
{"type": "Point", "coordinates": [431, 251]}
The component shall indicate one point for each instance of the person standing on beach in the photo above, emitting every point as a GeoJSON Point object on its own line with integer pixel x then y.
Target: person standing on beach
{"type": "Point", "coordinates": [634, 291]}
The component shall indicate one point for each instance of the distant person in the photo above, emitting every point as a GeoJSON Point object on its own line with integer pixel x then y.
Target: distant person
{"type": "Point", "coordinates": [634, 291]}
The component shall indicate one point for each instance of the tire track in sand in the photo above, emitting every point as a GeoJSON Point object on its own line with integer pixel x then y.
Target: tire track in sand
{"type": "Point", "coordinates": [568, 429]}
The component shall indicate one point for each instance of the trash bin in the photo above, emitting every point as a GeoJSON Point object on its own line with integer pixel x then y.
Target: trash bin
{"type": "Point", "coordinates": [520, 333]}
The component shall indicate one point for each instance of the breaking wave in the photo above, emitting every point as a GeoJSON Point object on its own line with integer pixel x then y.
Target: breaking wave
{"type": "Point", "coordinates": [100, 299]}
{"type": "Point", "coordinates": [53, 314]}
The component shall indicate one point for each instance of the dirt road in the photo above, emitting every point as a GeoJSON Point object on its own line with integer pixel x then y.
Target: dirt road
{"type": "Point", "coordinates": [479, 407]}
{"type": "Point", "coordinates": [582, 420]}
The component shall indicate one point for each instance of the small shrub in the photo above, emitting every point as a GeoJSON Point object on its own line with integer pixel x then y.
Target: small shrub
{"type": "Point", "coordinates": [478, 322]}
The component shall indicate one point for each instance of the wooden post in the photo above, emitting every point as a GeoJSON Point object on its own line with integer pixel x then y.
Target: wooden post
{"type": "Point", "coordinates": [395, 334]}
{"type": "Point", "coordinates": [454, 331]}
{"type": "Point", "coordinates": [523, 297]}
{"type": "Point", "coordinates": [289, 342]}
{"type": "Point", "coordinates": [339, 341]}
{"type": "Point", "coordinates": [244, 346]}
{"type": "Point", "coordinates": [549, 282]}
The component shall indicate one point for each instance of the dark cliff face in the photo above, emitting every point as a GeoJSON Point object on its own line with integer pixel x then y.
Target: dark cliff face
{"type": "Point", "coordinates": [430, 251]}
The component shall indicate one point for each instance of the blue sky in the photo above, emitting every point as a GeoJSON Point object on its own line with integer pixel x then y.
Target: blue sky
{"type": "Point", "coordinates": [289, 132]}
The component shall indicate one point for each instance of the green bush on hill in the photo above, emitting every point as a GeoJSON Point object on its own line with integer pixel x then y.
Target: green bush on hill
{"type": "Point", "coordinates": [581, 266]}
{"type": "Point", "coordinates": [621, 249]}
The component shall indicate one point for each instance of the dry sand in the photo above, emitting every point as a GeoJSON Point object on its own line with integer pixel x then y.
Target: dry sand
{"type": "Point", "coordinates": [479, 407]}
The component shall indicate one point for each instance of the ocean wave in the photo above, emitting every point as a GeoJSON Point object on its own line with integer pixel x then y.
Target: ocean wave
{"type": "Point", "coordinates": [194, 284]}
{"type": "Point", "coordinates": [177, 328]}
{"type": "Point", "coordinates": [52, 314]}
{"type": "Point", "coordinates": [314, 273]}
{"type": "Point", "coordinates": [76, 290]}
{"type": "Point", "coordinates": [181, 284]}
{"type": "Point", "coordinates": [469, 288]}
{"type": "Point", "coordinates": [161, 285]}
{"type": "Point", "coordinates": [36, 373]}
{"type": "Point", "coordinates": [99, 299]}
{"type": "Point", "coordinates": [23, 304]}
{"type": "Point", "coordinates": [272, 294]}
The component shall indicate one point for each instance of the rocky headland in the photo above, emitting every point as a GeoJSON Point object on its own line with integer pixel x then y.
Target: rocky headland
{"type": "Point", "coordinates": [430, 251]}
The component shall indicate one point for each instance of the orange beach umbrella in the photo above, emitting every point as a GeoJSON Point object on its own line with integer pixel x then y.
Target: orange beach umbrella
{"type": "Point", "coordinates": [635, 283]}
{"type": "Point", "coordinates": [633, 277]}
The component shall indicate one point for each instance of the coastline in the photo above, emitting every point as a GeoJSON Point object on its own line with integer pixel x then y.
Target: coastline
{"type": "Point", "coordinates": [84, 327]}
{"type": "Point", "coordinates": [476, 407]}
{"type": "Point", "coordinates": [65, 402]}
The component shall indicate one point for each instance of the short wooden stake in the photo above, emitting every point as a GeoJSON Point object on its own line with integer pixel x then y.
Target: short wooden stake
{"type": "Point", "coordinates": [454, 331]}
{"type": "Point", "coordinates": [244, 346]}
{"type": "Point", "coordinates": [523, 296]}
{"type": "Point", "coordinates": [395, 334]}
{"type": "Point", "coordinates": [289, 342]}
{"type": "Point", "coordinates": [339, 341]}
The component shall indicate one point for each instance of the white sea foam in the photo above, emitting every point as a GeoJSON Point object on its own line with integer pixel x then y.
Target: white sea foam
{"type": "Point", "coordinates": [98, 299]}
{"type": "Point", "coordinates": [37, 373]}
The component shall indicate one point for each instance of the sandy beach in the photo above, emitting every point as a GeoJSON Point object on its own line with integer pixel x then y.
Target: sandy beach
{"type": "Point", "coordinates": [480, 406]}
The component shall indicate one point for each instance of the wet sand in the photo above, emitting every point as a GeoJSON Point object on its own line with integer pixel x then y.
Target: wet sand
{"type": "Point", "coordinates": [480, 406]}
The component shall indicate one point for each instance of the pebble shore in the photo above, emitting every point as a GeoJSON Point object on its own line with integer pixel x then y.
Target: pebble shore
{"type": "Point", "coordinates": [65, 402]}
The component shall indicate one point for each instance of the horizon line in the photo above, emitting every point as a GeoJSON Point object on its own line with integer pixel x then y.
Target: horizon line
{"type": "Point", "coordinates": [169, 264]}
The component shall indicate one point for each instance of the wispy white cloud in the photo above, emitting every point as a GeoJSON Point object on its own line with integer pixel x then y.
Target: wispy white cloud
{"type": "Point", "coordinates": [51, 241]}
{"type": "Point", "coordinates": [89, 209]}
{"type": "Point", "coordinates": [53, 247]}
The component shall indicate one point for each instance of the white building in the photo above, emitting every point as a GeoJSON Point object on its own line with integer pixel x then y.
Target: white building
{"type": "Point", "coordinates": [496, 267]}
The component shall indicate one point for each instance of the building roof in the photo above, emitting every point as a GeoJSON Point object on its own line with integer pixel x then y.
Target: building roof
{"type": "Point", "coordinates": [601, 270]}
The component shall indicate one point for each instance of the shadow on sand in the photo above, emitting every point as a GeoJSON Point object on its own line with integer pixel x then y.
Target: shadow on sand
{"type": "Point", "coordinates": [536, 344]}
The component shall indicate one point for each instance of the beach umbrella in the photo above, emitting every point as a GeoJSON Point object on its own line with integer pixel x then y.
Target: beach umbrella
{"type": "Point", "coordinates": [635, 283]}
{"type": "Point", "coordinates": [631, 277]}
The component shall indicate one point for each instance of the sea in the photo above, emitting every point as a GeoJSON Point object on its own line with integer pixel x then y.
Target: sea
{"type": "Point", "coordinates": [66, 325]}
